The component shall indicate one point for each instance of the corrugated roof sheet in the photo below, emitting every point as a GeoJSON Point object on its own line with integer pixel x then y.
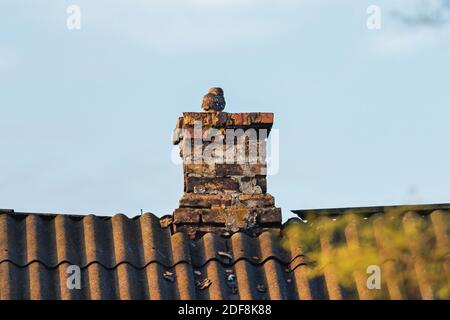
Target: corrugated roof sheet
{"type": "Point", "coordinates": [123, 258]}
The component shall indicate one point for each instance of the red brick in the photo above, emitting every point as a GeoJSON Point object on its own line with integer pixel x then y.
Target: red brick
{"type": "Point", "coordinates": [265, 118]}
{"type": "Point", "coordinates": [238, 119]}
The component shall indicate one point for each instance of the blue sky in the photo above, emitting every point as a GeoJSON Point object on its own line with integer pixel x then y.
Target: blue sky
{"type": "Point", "coordinates": [86, 116]}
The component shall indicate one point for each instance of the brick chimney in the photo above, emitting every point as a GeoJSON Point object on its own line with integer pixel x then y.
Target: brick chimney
{"type": "Point", "coordinates": [225, 172]}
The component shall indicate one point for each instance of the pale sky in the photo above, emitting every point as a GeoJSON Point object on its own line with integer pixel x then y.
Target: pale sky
{"type": "Point", "coordinates": [86, 116]}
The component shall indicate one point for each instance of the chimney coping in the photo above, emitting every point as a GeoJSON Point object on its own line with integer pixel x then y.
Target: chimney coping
{"type": "Point", "coordinates": [224, 119]}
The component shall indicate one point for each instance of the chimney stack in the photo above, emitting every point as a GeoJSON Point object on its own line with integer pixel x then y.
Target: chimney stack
{"type": "Point", "coordinates": [225, 171]}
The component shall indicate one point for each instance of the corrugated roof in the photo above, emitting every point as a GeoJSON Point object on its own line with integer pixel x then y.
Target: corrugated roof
{"type": "Point", "coordinates": [123, 258]}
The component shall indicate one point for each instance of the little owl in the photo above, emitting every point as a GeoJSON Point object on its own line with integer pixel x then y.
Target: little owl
{"type": "Point", "coordinates": [214, 101]}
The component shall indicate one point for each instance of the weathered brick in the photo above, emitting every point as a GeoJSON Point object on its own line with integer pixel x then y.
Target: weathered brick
{"type": "Point", "coordinates": [241, 215]}
{"type": "Point", "coordinates": [202, 153]}
{"type": "Point", "coordinates": [186, 215]}
{"type": "Point", "coordinates": [238, 119]}
{"type": "Point", "coordinates": [191, 151]}
{"type": "Point", "coordinates": [196, 231]}
{"type": "Point", "coordinates": [253, 185]}
{"type": "Point", "coordinates": [178, 132]}
{"type": "Point", "coordinates": [244, 154]}
{"type": "Point", "coordinates": [205, 200]}
{"type": "Point", "coordinates": [180, 123]}
{"type": "Point", "coordinates": [212, 152]}
{"type": "Point", "coordinates": [262, 182]}
{"type": "Point", "coordinates": [210, 185]}
{"type": "Point", "coordinates": [188, 133]}
{"type": "Point", "coordinates": [177, 136]}
{"type": "Point", "coordinates": [215, 119]}
{"type": "Point", "coordinates": [257, 200]}
{"type": "Point", "coordinates": [268, 215]}
{"type": "Point", "coordinates": [227, 170]}
{"type": "Point", "coordinates": [236, 216]}
{"type": "Point", "coordinates": [265, 118]}
{"type": "Point", "coordinates": [256, 120]}
{"type": "Point", "coordinates": [205, 170]}
{"type": "Point", "coordinates": [245, 170]}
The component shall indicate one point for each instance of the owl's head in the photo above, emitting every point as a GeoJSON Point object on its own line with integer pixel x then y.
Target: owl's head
{"type": "Point", "coordinates": [216, 91]}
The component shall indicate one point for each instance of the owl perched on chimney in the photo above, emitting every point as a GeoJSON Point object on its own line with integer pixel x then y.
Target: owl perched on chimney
{"type": "Point", "coordinates": [214, 100]}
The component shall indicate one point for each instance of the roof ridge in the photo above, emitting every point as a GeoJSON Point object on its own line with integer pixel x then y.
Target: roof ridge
{"type": "Point", "coordinates": [422, 208]}
{"type": "Point", "coordinates": [76, 217]}
{"type": "Point", "coordinates": [366, 214]}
